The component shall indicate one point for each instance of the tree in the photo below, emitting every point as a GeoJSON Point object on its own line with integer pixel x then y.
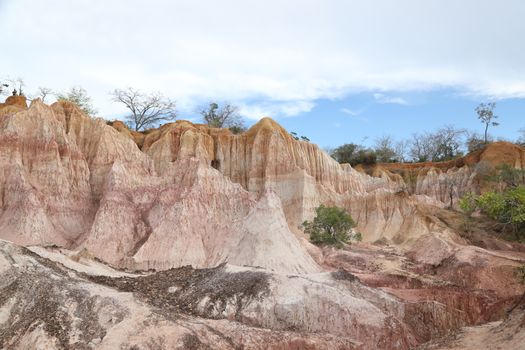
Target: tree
{"type": "Point", "coordinates": [384, 149]}
{"type": "Point", "coordinates": [442, 145]}
{"type": "Point", "coordinates": [3, 87]}
{"type": "Point", "coordinates": [521, 140]}
{"type": "Point", "coordinates": [80, 97]}
{"type": "Point", "coordinates": [146, 110]}
{"type": "Point", "coordinates": [448, 140]}
{"type": "Point", "coordinates": [421, 147]}
{"type": "Point", "coordinates": [18, 85]}
{"type": "Point", "coordinates": [486, 116]}
{"type": "Point", "coordinates": [331, 225]}
{"type": "Point", "coordinates": [387, 151]}
{"type": "Point", "coordinates": [226, 116]}
{"type": "Point", "coordinates": [43, 92]}
{"type": "Point", "coordinates": [354, 154]}
{"type": "Point", "coordinates": [476, 142]}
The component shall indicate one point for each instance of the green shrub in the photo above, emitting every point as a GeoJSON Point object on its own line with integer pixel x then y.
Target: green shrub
{"type": "Point", "coordinates": [506, 207]}
{"type": "Point", "coordinates": [331, 225]}
{"type": "Point", "coordinates": [468, 203]}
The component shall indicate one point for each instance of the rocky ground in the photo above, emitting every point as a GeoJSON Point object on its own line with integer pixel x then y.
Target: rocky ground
{"type": "Point", "coordinates": [51, 298]}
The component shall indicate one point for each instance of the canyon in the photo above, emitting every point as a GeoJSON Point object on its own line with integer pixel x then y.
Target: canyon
{"type": "Point", "coordinates": [187, 237]}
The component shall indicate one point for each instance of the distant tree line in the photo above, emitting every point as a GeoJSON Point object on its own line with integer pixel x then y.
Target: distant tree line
{"type": "Point", "coordinates": [445, 143]}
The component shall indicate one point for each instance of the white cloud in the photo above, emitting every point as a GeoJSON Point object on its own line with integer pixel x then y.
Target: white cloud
{"type": "Point", "coordinates": [352, 112]}
{"type": "Point", "coordinates": [275, 109]}
{"type": "Point", "coordinates": [383, 99]}
{"type": "Point", "coordinates": [355, 113]}
{"type": "Point", "coordinates": [292, 51]}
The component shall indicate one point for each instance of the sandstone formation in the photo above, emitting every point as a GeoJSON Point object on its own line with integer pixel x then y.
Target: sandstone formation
{"type": "Point", "coordinates": [71, 180]}
{"type": "Point", "coordinates": [447, 181]}
{"type": "Point", "coordinates": [217, 216]}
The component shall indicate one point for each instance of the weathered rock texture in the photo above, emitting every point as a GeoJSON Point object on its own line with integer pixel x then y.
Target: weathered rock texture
{"type": "Point", "coordinates": [46, 305]}
{"type": "Point", "coordinates": [447, 181]}
{"type": "Point", "coordinates": [186, 194]}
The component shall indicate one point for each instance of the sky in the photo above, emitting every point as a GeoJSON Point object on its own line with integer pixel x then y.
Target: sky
{"type": "Point", "coordinates": [336, 71]}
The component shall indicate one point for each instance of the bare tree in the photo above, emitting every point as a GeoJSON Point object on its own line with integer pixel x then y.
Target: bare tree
{"type": "Point", "coordinates": [387, 150]}
{"type": "Point", "coordinates": [18, 85]}
{"type": "Point", "coordinates": [384, 148]}
{"type": "Point", "coordinates": [421, 147]}
{"type": "Point", "coordinates": [401, 149]}
{"type": "Point", "coordinates": [146, 110]}
{"type": "Point", "coordinates": [3, 87]}
{"type": "Point", "coordinates": [486, 116]}
{"type": "Point", "coordinates": [80, 97]}
{"type": "Point", "coordinates": [521, 140]}
{"type": "Point", "coordinates": [43, 92]}
{"type": "Point", "coordinates": [226, 116]}
{"type": "Point", "coordinates": [441, 145]}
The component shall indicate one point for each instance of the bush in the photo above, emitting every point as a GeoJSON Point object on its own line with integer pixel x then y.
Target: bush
{"type": "Point", "coordinates": [331, 225]}
{"type": "Point", "coordinates": [507, 207]}
{"type": "Point", "coordinates": [468, 204]}
{"type": "Point", "coordinates": [354, 154]}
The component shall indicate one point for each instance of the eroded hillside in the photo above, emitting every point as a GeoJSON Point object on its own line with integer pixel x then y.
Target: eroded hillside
{"type": "Point", "coordinates": [89, 196]}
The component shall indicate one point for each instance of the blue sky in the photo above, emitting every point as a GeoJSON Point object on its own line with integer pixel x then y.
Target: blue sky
{"type": "Point", "coordinates": [361, 118]}
{"type": "Point", "coordinates": [334, 70]}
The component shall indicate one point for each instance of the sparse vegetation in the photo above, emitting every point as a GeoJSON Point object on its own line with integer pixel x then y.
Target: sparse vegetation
{"type": "Point", "coordinates": [226, 116]}
{"type": "Point", "coordinates": [354, 154]}
{"type": "Point", "coordinates": [297, 138]}
{"type": "Point", "coordinates": [43, 92]}
{"type": "Point", "coordinates": [486, 116]}
{"type": "Point", "coordinates": [442, 145]}
{"type": "Point", "coordinates": [146, 110]}
{"type": "Point", "coordinates": [332, 226]}
{"type": "Point", "coordinates": [80, 97]}
{"type": "Point", "coordinates": [468, 204]}
{"type": "Point", "coordinates": [506, 207]}
{"type": "Point", "coordinates": [521, 140]}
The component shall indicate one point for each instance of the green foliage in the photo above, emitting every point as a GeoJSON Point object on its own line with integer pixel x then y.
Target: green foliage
{"type": "Point", "coordinates": [237, 129]}
{"type": "Point", "coordinates": [507, 207]}
{"type": "Point", "coordinates": [78, 96]}
{"type": "Point", "coordinates": [486, 116]}
{"type": "Point", "coordinates": [331, 225]}
{"type": "Point", "coordinates": [297, 137]}
{"type": "Point", "coordinates": [509, 176]}
{"type": "Point", "coordinates": [468, 203]}
{"type": "Point", "coordinates": [354, 154]}
{"type": "Point", "coordinates": [226, 116]}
